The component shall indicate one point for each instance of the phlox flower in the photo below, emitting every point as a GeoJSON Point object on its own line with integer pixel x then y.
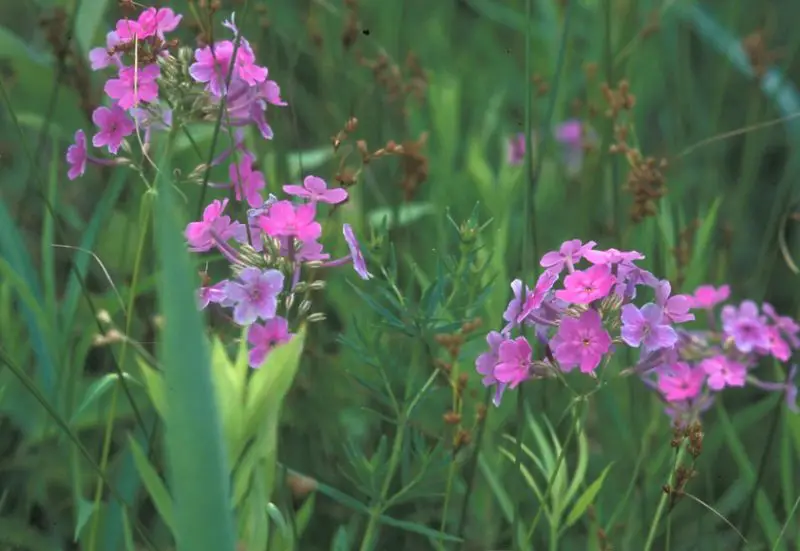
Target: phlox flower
{"type": "Point", "coordinates": [586, 286]}
{"type": "Point", "coordinates": [612, 256]}
{"type": "Point", "coordinates": [647, 327]}
{"type": "Point", "coordinates": [284, 219]}
{"type": "Point", "coordinates": [680, 381]}
{"type": "Point", "coordinates": [514, 307]}
{"type": "Point", "coordinates": [534, 298]}
{"type": "Point", "coordinates": [266, 337]}
{"type": "Point", "coordinates": [113, 126]}
{"type": "Point", "coordinates": [246, 105]}
{"type": "Point", "coordinates": [745, 326]}
{"type": "Point", "coordinates": [778, 347]}
{"type": "Point", "coordinates": [723, 372]}
{"type": "Point", "coordinates": [569, 254]}
{"type": "Point", "coordinates": [76, 156]}
{"type": "Point", "coordinates": [212, 293]}
{"type": "Point", "coordinates": [159, 21]}
{"type": "Point", "coordinates": [676, 308]}
{"type": "Point", "coordinates": [99, 58]}
{"type": "Point", "coordinates": [246, 181]}
{"type": "Point", "coordinates": [201, 235]}
{"type": "Point", "coordinates": [629, 276]}
{"type": "Point", "coordinates": [789, 387]}
{"type": "Point", "coordinates": [581, 342]}
{"type": "Point", "coordinates": [315, 189]}
{"type": "Point", "coordinates": [133, 85]}
{"type": "Point", "coordinates": [255, 294]}
{"type": "Point", "coordinates": [513, 361]}
{"type": "Point", "coordinates": [515, 151]}
{"type": "Point", "coordinates": [706, 296]}
{"type": "Point", "coordinates": [486, 362]}
{"type": "Point", "coordinates": [786, 325]}
{"type": "Point", "coordinates": [359, 265]}
{"type": "Point", "coordinates": [304, 251]}
{"type": "Point", "coordinates": [212, 65]}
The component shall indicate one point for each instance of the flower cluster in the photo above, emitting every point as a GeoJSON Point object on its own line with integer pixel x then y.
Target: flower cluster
{"type": "Point", "coordinates": [595, 311]}
{"type": "Point", "coordinates": [159, 87]}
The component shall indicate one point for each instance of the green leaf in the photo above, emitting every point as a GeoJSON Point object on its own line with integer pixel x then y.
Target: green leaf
{"type": "Point", "coordinates": [154, 485]}
{"type": "Point", "coordinates": [87, 20]}
{"type": "Point", "coordinates": [154, 383]}
{"type": "Point", "coordinates": [698, 265]}
{"type": "Point", "coordinates": [230, 386]}
{"type": "Point", "coordinates": [399, 216]}
{"type": "Point", "coordinates": [194, 441]}
{"type": "Point", "coordinates": [303, 161]}
{"type": "Point", "coordinates": [96, 390]}
{"type": "Point", "coordinates": [587, 498]}
{"type": "Point", "coordinates": [85, 510]}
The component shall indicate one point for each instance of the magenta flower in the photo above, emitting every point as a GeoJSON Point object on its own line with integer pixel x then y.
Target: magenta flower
{"type": "Point", "coordinates": [745, 326]}
{"type": "Point", "coordinates": [516, 149]}
{"type": "Point", "coordinates": [128, 30]}
{"type": "Point", "coordinates": [514, 308]}
{"type": "Point", "coordinates": [304, 251]}
{"type": "Point", "coordinates": [629, 276]}
{"type": "Point", "coordinates": [787, 326]}
{"type": "Point", "coordinates": [76, 156]}
{"type": "Point", "coordinates": [315, 189]}
{"type": "Point", "coordinates": [284, 219]}
{"type": "Point", "coordinates": [706, 296]}
{"type": "Point", "coordinates": [586, 286]}
{"type": "Point", "coordinates": [266, 337]}
{"type": "Point", "coordinates": [211, 66]}
{"type": "Point", "coordinates": [679, 381]}
{"type": "Point", "coordinates": [569, 254]}
{"type": "Point", "coordinates": [99, 58]}
{"type": "Point", "coordinates": [201, 235]}
{"type": "Point", "coordinates": [676, 308]}
{"type": "Point", "coordinates": [133, 86]}
{"type": "Point", "coordinates": [157, 22]}
{"type": "Point", "coordinates": [581, 342]}
{"type": "Point", "coordinates": [213, 293]}
{"type": "Point", "coordinates": [247, 104]}
{"type": "Point", "coordinates": [255, 295]}
{"type": "Point", "coordinates": [646, 327]}
{"type": "Point", "coordinates": [114, 126]}
{"type": "Point", "coordinates": [778, 347]}
{"type": "Point", "coordinates": [246, 181]}
{"type": "Point", "coordinates": [486, 362]}
{"type": "Point", "coordinates": [570, 133]}
{"type": "Point", "coordinates": [612, 256]}
{"type": "Point", "coordinates": [359, 264]}
{"type": "Point", "coordinates": [535, 298]}
{"type": "Point", "coordinates": [723, 372]}
{"type": "Point", "coordinates": [513, 361]}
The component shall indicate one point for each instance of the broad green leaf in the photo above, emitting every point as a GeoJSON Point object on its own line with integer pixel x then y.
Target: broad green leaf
{"type": "Point", "coordinates": [587, 498]}
{"type": "Point", "coordinates": [194, 440]}
{"type": "Point", "coordinates": [155, 486]}
{"type": "Point", "coordinates": [85, 511]}
{"type": "Point", "coordinates": [230, 395]}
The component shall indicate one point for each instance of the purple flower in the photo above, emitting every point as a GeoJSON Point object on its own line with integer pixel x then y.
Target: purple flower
{"type": "Point", "coordinates": [786, 325]}
{"type": "Point", "coordinates": [315, 189]}
{"type": "Point", "coordinates": [486, 362]}
{"type": "Point", "coordinates": [516, 149]}
{"type": "Point", "coordinates": [535, 298]}
{"type": "Point", "coordinates": [247, 182]}
{"type": "Point", "coordinates": [113, 126]}
{"type": "Point", "coordinates": [723, 372]}
{"type": "Point", "coordinates": [514, 308]}
{"type": "Point", "coordinates": [248, 104]}
{"type": "Point", "coordinates": [629, 276]}
{"type": "Point", "coordinates": [612, 256]}
{"type": "Point", "coordinates": [76, 156]}
{"type": "Point", "coordinates": [514, 361]}
{"type": "Point", "coordinates": [99, 58]}
{"type": "Point", "coordinates": [359, 264]}
{"type": "Point", "coordinates": [569, 254]}
{"type": "Point", "coordinates": [213, 293]}
{"type": "Point", "coordinates": [581, 342]}
{"type": "Point", "coordinates": [201, 235]}
{"type": "Point", "coordinates": [679, 382]}
{"type": "Point", "coordinates": [255, 295]}
{"type": "Point", "coordinates": [676, 308]}
{"type": "Point", "coordinates": [745, 326]}
{"type": "Point", "coordinates": [265, 337]}
{"type": "Point", "coordinates": [646, 327]}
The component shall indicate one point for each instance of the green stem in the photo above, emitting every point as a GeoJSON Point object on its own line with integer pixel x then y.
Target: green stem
{"type": "Point", "coordinates": [651, 536]}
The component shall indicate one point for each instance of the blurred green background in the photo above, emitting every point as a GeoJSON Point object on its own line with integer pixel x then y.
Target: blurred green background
{"type": "Point", "coordinates": [714, 97]}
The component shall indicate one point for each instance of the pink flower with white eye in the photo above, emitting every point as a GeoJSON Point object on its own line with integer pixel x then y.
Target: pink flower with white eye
{"type": "Point", "coordinates": [723, 372]}
{"type": "Point", "coordinates": [76, 156]}
{"type": "Point", "coordinates": [134, 85]}
{"type": "Point", "coordinates": [99, 58]}
{"type": "Point", "coordinates": [315, 189]}
{"type": "Point", "coordinates": [113, 127]}
{"type": "Point", "coordinates": [680, 381]}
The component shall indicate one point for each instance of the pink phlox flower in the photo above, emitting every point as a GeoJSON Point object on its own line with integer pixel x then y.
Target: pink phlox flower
{"type": "Point", "coordinates": [315, 189]}
{"type": "Point", "coordinates": [128, 30]}
{"type": "Point", "coordinates": [786, 325]}
{"type": "Point", "coordinates": [723, 372]}
{"type": "Point", "coordinates": [266, 337]}
{"type": "Point", "coordinates": [569, 254]}
{"type": "Point", "coordinates": [629, 276]}
{"type": "Point", "coordinates": [586, 286]}
{"type": "Point", "coordinates": [284, 219]}
{"type": "Point", "coordinates": [646, 327]}
{"type": "Point", "coordinates": [134, 85]}
{"type": "Point", "coordinates": [534, 298]}
{"type": "Point", "coordinates": [778, 347]}
{"type": "Point", "coordinates": [304, 251]}
{"type": "Point", "coordinates": [680, 381]}
{"type": "Point", "coordinates": [157, 22]}
{"type": "Point", "coordinates": [247, 181]}
{"type": "Point", "coordinates": [612, 256]}
{"type": "Point", "coordinates": [77, 156]}
{"type": "Point", "coordinates": [514, 307]}
{"type": "Point", "coordinates": [359, 264]}
{"type": "Point", "coordinates": [581, 342]}
{"type": "Point", "coordinates": [247, 69]}
{"type": "Point", "coordinates": [212, 293]}
{"type": "Point", "coordinates": [247, 104]}
{"type": "Point", "coordinates": [513, 361]}
{"type": "Point", "coordinates": [515, 150]}
{"type": "Point", "coordinates": [113, 126]}
{"type": "Point", "coordinates": [212, 65]}
{"type": "Point", "coordinates": [706, 296]}
{"type": "Point", "coordinates": [745, 326]}
{"type": "Point", "coordinates": [486, 363]}
{"type": "Point", "coordinates": [100, 58]}
{"type": "Point", "coordinates": [676, 308]}
{"type": "Point", "coordinates": [255, 294]}
{"type": "Point", "coordinates": [570, 133]}
{"type": "Point", "coordinates": [199, 234]}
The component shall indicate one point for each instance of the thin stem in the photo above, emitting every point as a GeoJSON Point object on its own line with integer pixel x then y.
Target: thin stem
{"type": "Point", "coordinates": [662, 503]}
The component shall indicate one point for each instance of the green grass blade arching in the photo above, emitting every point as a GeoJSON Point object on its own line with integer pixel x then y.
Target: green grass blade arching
{"type": "Point", "coordinates": [194, 440]}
